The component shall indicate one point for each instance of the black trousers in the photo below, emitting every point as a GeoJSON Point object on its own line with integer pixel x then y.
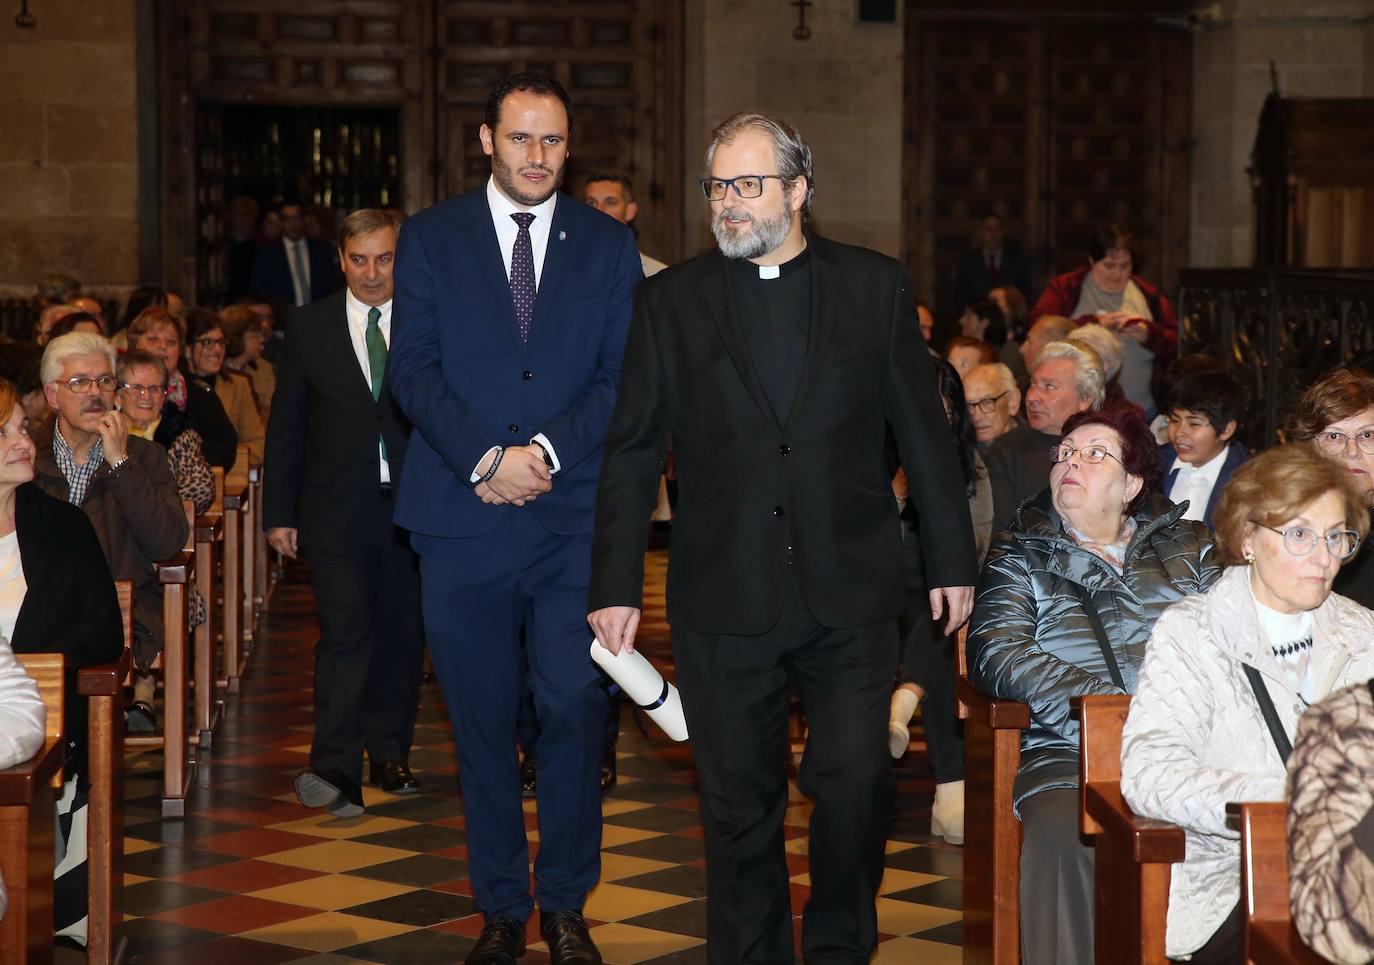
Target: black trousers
{"type": "Point", "coordinates": [368, 659]}
{"type": "Point", "coordinates": [929, 660]}
{"type": "Point", "coordinates": [735, 695]}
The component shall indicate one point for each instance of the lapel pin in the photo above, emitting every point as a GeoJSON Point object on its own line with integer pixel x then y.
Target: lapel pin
{"type": "Point", "coordinates": [562, 235]}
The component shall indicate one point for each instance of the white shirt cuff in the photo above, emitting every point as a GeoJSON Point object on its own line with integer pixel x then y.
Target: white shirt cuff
{"type": "Point", "coordinates": [543, 440]}
{"type": "Point", "coordinates": [477, 476]}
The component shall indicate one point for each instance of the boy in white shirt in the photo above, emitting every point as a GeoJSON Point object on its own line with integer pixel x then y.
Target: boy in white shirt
{"type": "Point", "coordinates": [1204, 411]}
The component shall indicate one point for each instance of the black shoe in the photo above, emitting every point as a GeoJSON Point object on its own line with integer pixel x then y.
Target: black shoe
{"type": "Point", "coordinates": [608, 774]}
{"type": "Point", "coordinates": [140, 718]}
{"type": "Point", "coordinates": [394, 777]}
{"type": "Point", "coordinates": [569, 941]}
{"type": "Point", "coordinates": [527, 778]}
{"type": "Point", "coordinates": [332, 790]}
{"type": "Point", "coordinates": [502, 942]}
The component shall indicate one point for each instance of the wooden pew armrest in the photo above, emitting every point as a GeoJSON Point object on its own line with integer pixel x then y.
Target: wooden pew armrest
{"type": "Point", "coordinates": [1000, 714]}
{"type": "Point", "coordinates": [209, 527]}
{"type": "Point", "coordinates": [1277, 942]}
{"type": "Point", "coordinates": [1150, 841]}
{"type": "Point", "coordinates": [22, 783]}
{"type": "Point", "coordinates": [106, 679]}
{"type": "Point", "coordinates": [235, 491]}
{"type": "Point", "coordinates": [178, 569]}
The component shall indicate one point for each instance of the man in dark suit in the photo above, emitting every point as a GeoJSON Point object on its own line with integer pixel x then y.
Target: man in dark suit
{"type": "Point", "coordinates": [512, 304]}
{"type": "Point", "coordinates": [295, 270]}
{"type": "Point", "coordinates": [777, 363]}
{"type": "Point", "coordinates": [992, 264]}
{"type": "Point", "coordinates": [335, 446]}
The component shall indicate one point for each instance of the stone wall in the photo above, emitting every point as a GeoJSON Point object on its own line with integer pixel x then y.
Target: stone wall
{"type": "Point", "coordinates": [842, 89]}
{"type": "Point", "coordinates": [1321, 48]}
{"type": "Point", "coordinates": [69, 146]}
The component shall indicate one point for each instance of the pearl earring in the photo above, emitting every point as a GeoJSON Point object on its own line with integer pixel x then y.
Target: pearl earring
{"type": "Point", "coordinates": [1249, 557]}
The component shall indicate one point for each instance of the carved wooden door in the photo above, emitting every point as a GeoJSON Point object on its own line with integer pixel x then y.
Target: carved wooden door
{"type": "Point", "coordinates": [1060, 126]}
{"type": "Point", "coordinates": [427, 65]}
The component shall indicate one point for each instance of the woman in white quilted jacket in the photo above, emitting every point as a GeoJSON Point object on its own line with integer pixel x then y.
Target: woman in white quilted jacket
{"type": "Point", "coordinates": [1228, 673]}
{"type": "Point", "coordinates": [22, 719]}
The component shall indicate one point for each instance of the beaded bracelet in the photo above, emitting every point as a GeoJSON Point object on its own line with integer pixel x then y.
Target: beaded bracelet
{"type": "Point", "coordinates": [495, 464]}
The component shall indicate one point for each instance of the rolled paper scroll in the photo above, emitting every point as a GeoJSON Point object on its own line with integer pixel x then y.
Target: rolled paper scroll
{"type": "Point", "coordinates": [646, 687]}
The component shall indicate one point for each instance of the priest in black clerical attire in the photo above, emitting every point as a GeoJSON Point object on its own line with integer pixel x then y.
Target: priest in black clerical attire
{"type": "Point", "coordinates": [777, 363]}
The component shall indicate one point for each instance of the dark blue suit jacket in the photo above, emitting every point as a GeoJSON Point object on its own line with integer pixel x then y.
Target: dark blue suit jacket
{"type": "Point", "coordinates": [464, 380]}
{"type": "Point", "coordinates": [272, 275]}
{"type": "Point", "coordinates": [1236, 455]}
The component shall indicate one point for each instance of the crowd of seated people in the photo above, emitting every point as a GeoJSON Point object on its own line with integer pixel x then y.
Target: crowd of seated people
{"type": "Point", "coordinates": [1160, 562]}
{"type": "Point", "coordinates": [1226, 591]}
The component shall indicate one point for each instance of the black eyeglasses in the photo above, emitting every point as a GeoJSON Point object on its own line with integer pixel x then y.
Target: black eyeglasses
{"type": "Point", "coordinates": [211, 342]}
{"type": "Point", "coordinates": [746, 186]}
{"type": "Point", "coordinates": [1301, 540]}
{"type": "Point", "coordinates": [986, 406]}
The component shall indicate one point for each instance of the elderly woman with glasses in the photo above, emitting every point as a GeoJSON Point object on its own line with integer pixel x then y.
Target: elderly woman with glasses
{"type": "Point", "coordinates": [142, 397]}
{"type": "Point", "coordinates": [1336, 414]}
{"type": "Point", "coordinates": [1227, 675]}
{"type": "Point", "coordinates": [206, 351]}
{"type": "Point", "coordinates": [1066, 604]}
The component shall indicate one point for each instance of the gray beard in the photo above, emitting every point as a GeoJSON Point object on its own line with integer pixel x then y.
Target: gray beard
{"type": "Point", "coordinates": [763, 235]}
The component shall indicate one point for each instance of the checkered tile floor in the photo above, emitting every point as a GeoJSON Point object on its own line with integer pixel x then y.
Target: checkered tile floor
{"type": "Point", "coordinates": [250, 876]}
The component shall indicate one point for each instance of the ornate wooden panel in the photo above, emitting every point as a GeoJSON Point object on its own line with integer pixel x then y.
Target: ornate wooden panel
{"type": "Point", "coordinates": [1278, 329]}
{"type": "Point", "coordinates": [430, 64]}
{"type": "Point", "coordinates": [619, 61]}
{"type": "Point", "coordinates": [1060, 124]}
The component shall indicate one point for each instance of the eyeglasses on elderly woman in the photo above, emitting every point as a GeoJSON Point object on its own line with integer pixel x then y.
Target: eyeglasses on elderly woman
{"type": "Point", "coordinates": [1091, 454]}
{"type": "Point", "coordinates": [1301, 540]}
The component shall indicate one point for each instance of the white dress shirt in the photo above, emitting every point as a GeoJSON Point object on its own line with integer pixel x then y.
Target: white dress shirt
{"type": "Point", "coordinates": [300, 284]}
{"type": "Point", "coordinates": [356, 311]}
{"type": "Point", "coordinates": [502, 208]}
{"type": "Point", "coordinates": [1195, 484]}
{"type": "Point", "coordinates": [507, 230]}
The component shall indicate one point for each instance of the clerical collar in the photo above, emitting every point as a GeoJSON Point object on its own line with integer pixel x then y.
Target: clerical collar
{"type": "Point", "coordinates": [770, 272]}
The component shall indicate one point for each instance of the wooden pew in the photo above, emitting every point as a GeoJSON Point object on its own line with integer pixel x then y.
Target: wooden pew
{"type": "Point", "coordinates": [231, 564]}
{"type": "Point", "coordinates": [103, 688]}
{"type": "Point", "coordinates": [206, 535]}
{"type": "Point", "coordinates": [262, 560]}
{"type": "Point", "coordinates": [28, 805]}
{"type": "Point", "coordinates": [178, 767]}
{"type": "Point", "coordinates": [1132, 854]}
{"type": "Point", "coordinates": [992, 833]}
{"type": "Point", "coordinates": [251, 533]}
{"type": "Point", "coordinates": [1270, 938]}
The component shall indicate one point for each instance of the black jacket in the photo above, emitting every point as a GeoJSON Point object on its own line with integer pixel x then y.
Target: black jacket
{"type": "Point", "coordinates": [1031, 639]}
{"type": "Point", "coordinates": [70, 606]}
{"type": "Point", "coordinates": [206, 415]}
{"type": "Point", "coordinates": [760, 498]}
{"type": "Point", "coordinates": [271, 275]}
{"type": "Point", "coordinates": [321, 461]}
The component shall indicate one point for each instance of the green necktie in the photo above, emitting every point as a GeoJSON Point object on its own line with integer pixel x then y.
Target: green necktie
{"type": "Point", "coordinates": [376, 356]}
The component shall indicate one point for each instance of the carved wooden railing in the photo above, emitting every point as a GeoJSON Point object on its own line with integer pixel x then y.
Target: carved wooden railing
{"type": "Point", "coordinates": [1279, 329]}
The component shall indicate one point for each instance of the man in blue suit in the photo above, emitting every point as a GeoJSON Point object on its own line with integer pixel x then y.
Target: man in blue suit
{"type": "Point", "coordinates": [512, 307]}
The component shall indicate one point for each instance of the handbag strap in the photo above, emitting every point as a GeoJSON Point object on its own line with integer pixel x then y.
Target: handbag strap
{"type": "Point", "coordinates": [1105, 645]}
{"type": "Point", "coordinates": [1270, 714]}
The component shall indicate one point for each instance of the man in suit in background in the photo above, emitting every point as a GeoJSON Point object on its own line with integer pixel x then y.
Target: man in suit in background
{"type": "Point", "coordinates": [992, 263]}
{"type": "Point", "coordinates": [778, 362]}
{"type": "Point", "coordinates": [512, 304]}
{"type": "Point", "coordinates": [335, 445]}
{"type": "Point", "coordinates": [295, 270]}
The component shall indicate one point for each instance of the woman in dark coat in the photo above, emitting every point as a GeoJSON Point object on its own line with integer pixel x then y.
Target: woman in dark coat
{"type": "Point", "coordinates": [56, 594]}
{"type": "Point", "coordinates": [1099, 541]}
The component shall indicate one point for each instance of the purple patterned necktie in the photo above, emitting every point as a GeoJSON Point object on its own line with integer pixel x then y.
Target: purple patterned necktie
{"type": "Point", "coordinates": [522, 274]}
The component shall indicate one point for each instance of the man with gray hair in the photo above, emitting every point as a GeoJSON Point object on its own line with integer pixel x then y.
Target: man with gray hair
{"type": "Point", "coordinates": [87, 457]}
{"type": "Point", "coordinates": [993, 399]}
{"type": "Point", "coordinates": [777, 362]}
{"type": "Point", "coordinates": [1067, 378]}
